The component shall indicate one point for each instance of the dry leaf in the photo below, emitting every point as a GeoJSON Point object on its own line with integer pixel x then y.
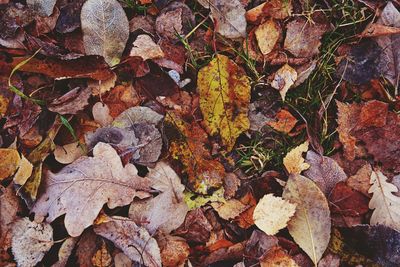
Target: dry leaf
{"type": "Point", "coordinates": [91, 180]}
{"type": "Point", "coordinates": [385, 204]}
{"type": "Point", "coordinates": [229, 209]}
{"type": "Point", "coordinates": [65, 251]}
{"type": "Point", "coordinates": [31, 241]}
{"type": "Point", "coordinates": [121, 260]}
{"type": "Point", "coordinates": [310, 227]}
{"type": "Point", "coordinates": [146, 48]}
{"type": "Point", "coordinates": [42, 7]}
{"type": "Point", "coordinates": [347, 121]}
{"type": "Point", "coordinates": [9, 161]}
{"type": "Point", "coordinates": [105, 29]}
{"type": "Point", "coordinates": [174, 250]}
{"type": "Point", "coordinates": [167, 210]}
{"type": "Point", "coordinates": [133, 240]}
{"type": "Point", "coordinates": [277, 257]}
{"type": "Point", "coordinates": [284, 121]}
{"type": "Point", "coordinates": [273, 213]}
{"type": "Point", "coordinates": [68, 153]}
{"type": "Point", "coordinates": [72, 102]}
{"type": "Point", "coordinates": [102, 87]}
{"type": "Point", "coordinates": [360, 180]}
{"type": "Point", "coordinates": [267, 35]}
{"type": "Point", "coordinates": [224, 99]}
{"type": "Point", "coordinates": [294, 161]}
{"type": "Point", "coordinates": [169, 24]}
{"type": "Point", "coordinates": [324, 171]}
{"type": "Point", "coordinates": [102, 257]}
{"type": "Point", "coordinates": [303, 37]}
{"type": "Point", "coordinates": [283, 80]}
{"type": "Point", "coordinates": [101, 114]}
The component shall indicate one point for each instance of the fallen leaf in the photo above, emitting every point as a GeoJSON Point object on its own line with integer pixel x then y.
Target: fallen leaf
{"type": "Point", "coordinates": [385, 204]}
{"type": "Point", "coordinates": [120, 98]}
{"type": "Point", "coordinates": [143, 23]}
{"type": "Point", "coordinates": [229, 209]}
{"type": "Point", "coordinates": [24, 171]}
{"type": "Point", "coordinates": [167, 210]}
{"type": "Point", "coordinates": [187, 145]}
{"type": "Point", "coordinates": [70, 17]}
{"type": "Point", "coordinates": [258, 245]}
{"type": "Point", "coordinates": [42, 7]}
{"type": "Point", "coordinates": [9, 161]}
{"type": "Point", "coordinates": [360, 180]}
{"type": "Point", "coordinates": [284, 79]}
{"type": "Point", "coordinates": [105, 29]}
{"type": "Point", "coordinates": [68, 153]}
{"type": "Point", "coordinates": [284, 121]}
{"type": "Point", "coordinates": [65, 251]}
{"type": "Point", "coordinates": [310, 227]}
{"type": "Point", "coordinates": [101, 114]}
{"type": "Point", "coordinates": [224, 98]}
{"type": "Point", "coordinates": [174, 250]}
{"type": "Point", "coordinates": [196, 227]}
{"type": "Point", "coordinates": [195, 201]}
{"type": "Point", "coordinates": [121, 260]}
{"type": "Point", "coordinates": [324, 171]}
{"type": "Point", "coordinates": [102, 257]}
{"type": "Point", "coordinates": [273, 213]}
{"type": "Point", "coordinates": [87, 246]}
{"type": "Point", "coordinates": [229, 16]}
{"type": "Point", "coordinates": [92, 180]}
{"type": "Point", "coordinates": [102, 87]}
{"type": "Point", "coordinates": [169, 24]}
{"type": "Point", "coordinates": [375, 30]}
{"type": "Point", "coordinates": [72, 102]}
{"type": "Point", "coordinates": [278, 9]}
{"type": "Point", "coordinates": [245, 219]}
{"type": "Point", "coordinates": [276, 256]}
{"type": "Point", "coordinates": [133, 240]}
{"type": "Point", "coordinates": [303, 37]}
{"type": "Point", "coordinates": [389, 65]}
{"type": "Point", "coordinates": [146, 48]}
{"type": "Point", "coordinates": [267, 35]}
{"type": "Point", "coordinates": [294, 161]}
{"type": "Point", "coordinates": [31, 241]}
{"type": "Point", "coordinates": [347, 121]}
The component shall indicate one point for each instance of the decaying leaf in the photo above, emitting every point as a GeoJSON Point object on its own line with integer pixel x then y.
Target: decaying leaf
{"type": "Point", "coordinates": [310, 227]}
{"type": "Point", "coordinates": [275, 257]}
{"type": "Point", "coordinates": [294, 161]}
{"type": "Point", "coordinates": [194, 201]}
{"type": "Point", "coordinates": [72, 102]}
{"type": "Point", "coordinates": [385, 204]}
{"type": "Point", "coordinates": [91, 180]}
{"type": "Point", "coordinates": [9, 161]}
{"type": "Point", "coordinates": [360, 181]}
{"type": "Point", "coordinates": [105, 29]}
{"type": "Point", "coordinates": [224, 98]}
{"type": "Point", "coordinates": [166, 211]}
{"type": "Point", "coordinates": [133, 240]}
{"type": "Point", "coordinates": [273, 213]}
{"type": "Point", "coordinates": [284, 121]}
{"type": "Point", "coordinates": [174, 250]}
{"type": "Point", "coordinates": [121, 260]}
{"type": "Point", "coordinates": [31, 241]}
{"type": "Point", "coordinates": [324, 171]}
{"type": "Point", "coordinates": [146, 48]}
{"type": "Point", "coordinates": [102, 257]}
{"type": "Point", "coordinates": [187, 147]}
{"type": "Point", "coordinates": [303, 37]}
{"type": "Point", "coordinates": [229, 209]}
{"type": "Point", "coordinates": [267, 34]}
{"type": "Point", "coordinates": [43, 7]}
{"type": "Point", "coordinates": [284, 79]}
{"type": "Point", "coordinates": [101, 87]}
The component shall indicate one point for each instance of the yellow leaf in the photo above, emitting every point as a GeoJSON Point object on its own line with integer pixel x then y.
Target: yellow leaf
{"type": "Point", "coordinates": [273, 213]}
{"type": "Point", "coordinates": [224, 99]}
{"type": "Point", "coordinates": [294, 161]}
{"type": "Point", "coordinates": [267, 34]}
{"type": "Point", "coordinates": [187, 148]}
{"type": "Point", "coordinates": [194, 201]}
{"type": "Point", "coordinates": [9, 160]}
{"type": "Point", "coordinates": [284, 78]}
{"type": "Point", "coordinates": [24, 171]}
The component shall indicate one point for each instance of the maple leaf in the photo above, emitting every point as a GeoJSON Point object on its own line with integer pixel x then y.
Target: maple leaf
{"type": "Point", "coordinates": [82, 188]}
{"type": "Point", "coordinates": [224, 99]}
{"type": "Point", "coordinates": [385, 204]}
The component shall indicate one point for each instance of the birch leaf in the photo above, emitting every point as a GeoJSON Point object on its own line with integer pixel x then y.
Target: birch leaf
{"type": "Point", "coordinates": [82, 188]}
{"type": "Point", "coordinates": [310, 227]}
{"type": "Point", "coordinates": [105, 29]}
{"type": "Point", "coordinates": [385, 204]}
{"type": "Point", "coordinates": [224, 99]}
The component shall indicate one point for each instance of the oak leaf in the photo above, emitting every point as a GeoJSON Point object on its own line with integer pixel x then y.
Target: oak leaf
{"type": "Point", "coordinates": [273, 213]}
{"type": "Point", "coordinates": [310, 227]}
{"type": "Point", "coordinates": [81, 189]}
{"type": "Point", "coordinates": [31, 241]}
{"type": "Point", "coordinates": [224, 99]}
{"type": "Point", "coordinates": [385, 204]}
{"type": "Point", "coordinates": [294, 161]}
{"type": "Point", "coordinates": [133, 240]}
{"type": "Point", "coordinates": [105, 29]}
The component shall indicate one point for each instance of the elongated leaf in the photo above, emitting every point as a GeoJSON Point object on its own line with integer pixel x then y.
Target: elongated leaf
{"type": "Point", "coordinates": [224, 99]}
{"type": "Point", "coordinates": [310, 227]}
{"type": "Point", "coordinates": [105, 29]}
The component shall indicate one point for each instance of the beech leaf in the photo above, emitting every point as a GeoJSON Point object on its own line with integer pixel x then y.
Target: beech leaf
{"type": "Point", "coordinates": [81, 189]}
{"type": "Point", "coordinates": [385, 204]}
{"type": "Point", "coordinates": [105, 29]}
{"type": "Point", "coordinates": [224, 99]}
{"type": "Point", "coordinates": [133, 240]}
{"type": "Point", "coordinates": [310, 227]}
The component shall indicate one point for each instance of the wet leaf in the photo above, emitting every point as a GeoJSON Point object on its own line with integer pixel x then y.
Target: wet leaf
{"type": "Point", "coordinates": [105, 29]}
{"type": "Point", "coordinates": [31, 241]}
{"type": "Point", "coordinates": [224, 99]}
{"type": "Point", "coordinates": [133, 240]}
{"type": "Point", "coordinates": [92, 180]}
{"type": "Point", "coordinates": [273, 213]}
{"type": "Point", "coordinates": [310, 227]}
{"type": "Point", "coordinates": [385, 204]}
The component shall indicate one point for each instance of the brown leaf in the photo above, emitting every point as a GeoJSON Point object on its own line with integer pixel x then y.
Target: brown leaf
{"type": "Point", "coordinates": [196, 227]}
{"type": "Point", "coordinates": [360, 180]}
{"type": "Point", "coordinates": [324, 171]}
{"type": "Point", "coordinates": [267, 35]}
{"type": "Point", "coordinates": [72, 102]}
{"type": "Point", "coordinates": [102, 257]}
{"type": "Point", "coordinates": [294, 161]}
{"type": "Point", "coordinates": [92, 180]}
{"type": "Point", "coordinates": [284, 121]}
{"type": "Point", "coordinates": [133, 240]}
{"type": "Point", "coordinates": [276, 256]}
{"type": "Point", "coordinates": [87, 246]}
{"type": "Point", "coordinates": [42, 7]}
{"type": "Point", "coordinates": [174, 250]}
{"type": "Point", "coordinates": [230, 209]}
{"type": "Point", "coordinates": [146, 48]}
{"type": "Point", "coordinates": [65, 251]}
{"type": "Point", "coordinates": [284, 79]}
{"type": "Point", "coordinates": [169, 24]}
{"type": "Point", "coordinates": [9, 161]}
